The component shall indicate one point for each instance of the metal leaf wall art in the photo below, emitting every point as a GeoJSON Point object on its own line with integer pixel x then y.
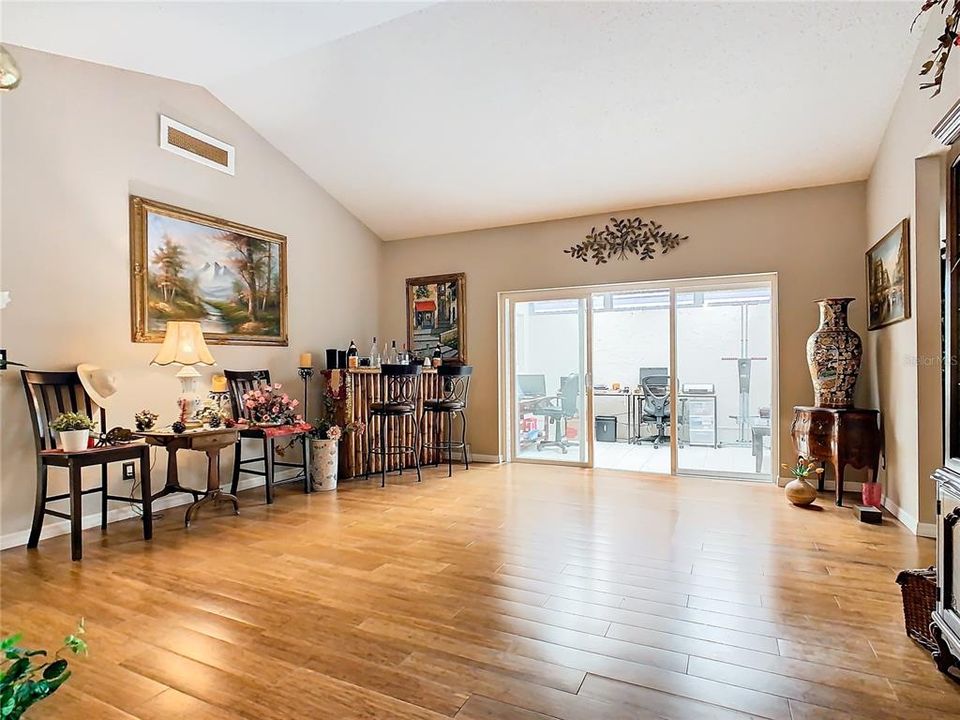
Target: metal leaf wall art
{"type": "Point", "coordinates": [623, 238]}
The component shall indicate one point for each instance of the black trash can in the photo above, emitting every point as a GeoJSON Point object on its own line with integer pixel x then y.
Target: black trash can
{"type": "Point", "coordinates": [605, 428]}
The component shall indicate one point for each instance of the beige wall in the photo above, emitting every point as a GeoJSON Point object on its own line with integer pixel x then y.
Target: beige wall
{"type": "Point", "coordinates": [78, 138]}
{"type": "Point", "coordinates": [811, 237]}
{"type": "Point", "coordinates": [902, 376]}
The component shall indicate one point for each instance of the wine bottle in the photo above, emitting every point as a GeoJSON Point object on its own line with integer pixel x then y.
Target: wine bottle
{"type": "Point", "coordinates": [404, 355]}
{"type": "Point", "coordinates": [374, 354]}
{"type": "Point", "coordinates": [353, 356]}
{"type": "Point", "coordinates": [392, 357]}
{"type": "Point", "coordinates": [437, 355]}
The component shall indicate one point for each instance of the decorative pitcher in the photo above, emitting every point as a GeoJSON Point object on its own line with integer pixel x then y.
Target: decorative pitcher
{"type": "Point", "coordinates": [834, 352]}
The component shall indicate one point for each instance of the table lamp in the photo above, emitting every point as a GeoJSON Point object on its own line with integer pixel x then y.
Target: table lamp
{"type": "Point", "coordinates": [183, 344]}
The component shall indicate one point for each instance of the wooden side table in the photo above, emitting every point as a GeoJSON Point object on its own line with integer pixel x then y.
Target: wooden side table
{"type": "Point", "coordinates": [842, 437]}
{"type": "Point", "coordinates": [202, 440]}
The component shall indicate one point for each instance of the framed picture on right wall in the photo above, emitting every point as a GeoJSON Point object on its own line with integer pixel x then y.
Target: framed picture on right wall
{"type": "Point", "coordinates": [888, 278]}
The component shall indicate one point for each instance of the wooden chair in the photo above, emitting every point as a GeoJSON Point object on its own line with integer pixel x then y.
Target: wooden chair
{"type": "Point", "coordinates": [239, 383]}
{"type": "Point", "coordinates": [48, 395]}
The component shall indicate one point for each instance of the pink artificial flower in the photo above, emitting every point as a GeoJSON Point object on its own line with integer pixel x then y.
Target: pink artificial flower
{"type": "Point", "coordinates": [333, 433]}
{"type": "Point", "coordinates": [294, 403]}
{"type": "Point", "coordinates": [277, 386]}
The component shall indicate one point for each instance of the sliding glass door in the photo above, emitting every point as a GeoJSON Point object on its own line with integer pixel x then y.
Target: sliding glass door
{"type": "Point", "coordinates": [684, 383]}
{"type": "Point", "coordinates": [548, 378]}
{"type": "Point", "coordinates": [724, 387]}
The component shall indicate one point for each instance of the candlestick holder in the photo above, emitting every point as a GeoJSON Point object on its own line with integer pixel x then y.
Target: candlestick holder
{"type": "Point", "coordinates": [305, 374]}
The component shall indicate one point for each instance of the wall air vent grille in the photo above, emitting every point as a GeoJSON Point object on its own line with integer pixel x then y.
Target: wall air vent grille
{"type": "Point", "coordinates": [194, 145]}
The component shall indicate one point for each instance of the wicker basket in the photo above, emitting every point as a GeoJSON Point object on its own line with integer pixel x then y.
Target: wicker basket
{"type": "Point", "coordinates": [919, 589]}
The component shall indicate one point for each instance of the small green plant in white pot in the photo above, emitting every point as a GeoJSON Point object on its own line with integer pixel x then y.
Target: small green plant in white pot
{"type": "Point", "coordinates": [74, 431]}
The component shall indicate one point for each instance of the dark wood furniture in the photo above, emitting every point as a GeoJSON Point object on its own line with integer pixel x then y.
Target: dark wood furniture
{"type": "Point", "coordinates": [455, 391]}
{"type": "Point", "coordinates": [206, 441]}
{"type": "Point", "coordinates": [945, 625]}
{"type": "Point", "coordinates": [397, 404]}
{"type": "Point", "coordinates": [48, 395]}
{"type": "Point", "coordinates": [240, 383]}
{"type": "Point", "coordinates": [840, 437]}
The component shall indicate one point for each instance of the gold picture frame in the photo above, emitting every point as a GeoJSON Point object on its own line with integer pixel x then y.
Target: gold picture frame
{"type": "Point", "coordinates": [437, 312]}
{"type": "Point", "coordinates": [186, 265]}
{"type": "Point", "coordinates": [888, 278]}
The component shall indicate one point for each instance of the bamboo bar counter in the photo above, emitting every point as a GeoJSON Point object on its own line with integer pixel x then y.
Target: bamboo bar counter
{"type": "Point", "coordinates": [352, 391]}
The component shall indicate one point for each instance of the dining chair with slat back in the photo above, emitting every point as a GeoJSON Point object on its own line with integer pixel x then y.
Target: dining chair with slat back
{"type": "Point", "coordinates": [48, 395]}
{"type": "Point", "coordinates": [240, 382]}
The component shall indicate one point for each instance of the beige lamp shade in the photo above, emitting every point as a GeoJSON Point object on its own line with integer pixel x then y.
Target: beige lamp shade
{"type": "Point", "coordinates": [183, 344]}
{"type": "Point", "coordinates": [9, 72]}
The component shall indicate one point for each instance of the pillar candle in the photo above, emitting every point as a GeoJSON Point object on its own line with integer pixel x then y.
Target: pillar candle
{"type": "Point", "coordinates": [306, 360]}
{"type": "Point", "coordinates": [218, 383]}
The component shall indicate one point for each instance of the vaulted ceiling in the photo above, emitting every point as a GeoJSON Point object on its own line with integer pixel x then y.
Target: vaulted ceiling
{"type": "Point", "coordinates": [428, 118]}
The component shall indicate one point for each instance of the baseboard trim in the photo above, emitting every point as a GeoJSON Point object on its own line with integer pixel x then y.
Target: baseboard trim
{"type": "Point", "coordinates": [92, 520]}
{"type": "Point", "coordinates": [927, 530]}
{"type": "Point", "coordinates": [906, 519]}
{"type": "Point", "coordinates": [482, 458]}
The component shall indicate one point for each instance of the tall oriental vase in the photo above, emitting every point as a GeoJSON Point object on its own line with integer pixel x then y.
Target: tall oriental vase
{"type": "Point", "coordinates": [834, 352]}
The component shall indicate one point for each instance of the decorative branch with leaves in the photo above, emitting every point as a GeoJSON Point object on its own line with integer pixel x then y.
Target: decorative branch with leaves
{"type": "Point", "coordinates": [25, 679]}
{"type": "Point", "coordinates": [622, 238]}
{"type": "Point", "coordinates": [945, 43]}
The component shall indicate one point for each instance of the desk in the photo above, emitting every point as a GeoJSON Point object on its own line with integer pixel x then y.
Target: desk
{"type": "Point", "coordinates": [634, 401]}
{"type": "Point", "coordinates": [202, 440]}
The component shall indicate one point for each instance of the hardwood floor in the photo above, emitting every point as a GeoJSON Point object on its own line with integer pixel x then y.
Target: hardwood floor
{"type": "Point", "coordinates": [516, 591]}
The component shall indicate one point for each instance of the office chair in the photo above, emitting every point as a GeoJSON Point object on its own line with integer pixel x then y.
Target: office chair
{"type": "Point", "coordinates": [656, 406]}
{"type": "Point", "coordinates": [559, 414]}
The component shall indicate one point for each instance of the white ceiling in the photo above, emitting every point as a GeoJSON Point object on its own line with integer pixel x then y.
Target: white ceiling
{"type": "Point", "coordinates": [425, 118]}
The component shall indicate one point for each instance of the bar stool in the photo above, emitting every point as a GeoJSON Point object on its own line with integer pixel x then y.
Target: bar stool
{"type": "Point", "coordinates": [454, 387]}
{"type": "Point", "coordinates": [399, 390]}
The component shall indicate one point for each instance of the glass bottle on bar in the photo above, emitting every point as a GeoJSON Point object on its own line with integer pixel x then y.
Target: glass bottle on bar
{"type": "Point", "coordinates": [353, 356]}
{"type": "Point", "coordinates": [437, 355]}
{"type": "Point", "coordinates": [374, 353]}
{"type": "Point", "coordinates": [404, 355]}
{"type": "Point", "coordinates": [392, 356]}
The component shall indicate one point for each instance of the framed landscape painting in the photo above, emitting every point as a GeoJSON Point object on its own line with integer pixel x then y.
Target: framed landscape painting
{"type": "Point", "coordinates": [189, 266]}
{"type": "Point", "coordinates": [436, 312]}
{"type": "Point", "coordinates": [888, 278]}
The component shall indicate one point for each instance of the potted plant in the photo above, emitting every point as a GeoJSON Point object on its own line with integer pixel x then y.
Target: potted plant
{"type": "Point", "coordinates": [24, 680]}
{"type": "Point", "coordinates": [74, 431]}
{"type": "Point", "coordinates": [798, 490]}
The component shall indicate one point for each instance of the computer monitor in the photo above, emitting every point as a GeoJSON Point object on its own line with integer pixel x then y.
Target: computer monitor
{"type": "Point", "coordinates": [531, 385]}
{"type": "Point", "coordinates": [646, 372]}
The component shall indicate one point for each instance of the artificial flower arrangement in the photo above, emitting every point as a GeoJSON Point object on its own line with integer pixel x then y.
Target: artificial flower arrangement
{"type": "Point", "coordinates": [145, 420]}
{"type": "Point", "coordinates": [802, 468]}
{"type": "Point", "coordinates": [265, 404]}
{"type": "Point", "coordinates": [325, 428]}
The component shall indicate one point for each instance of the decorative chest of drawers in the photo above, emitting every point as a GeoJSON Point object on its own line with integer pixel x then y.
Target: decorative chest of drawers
{"type": "Point", "coordinates": [840, 437]}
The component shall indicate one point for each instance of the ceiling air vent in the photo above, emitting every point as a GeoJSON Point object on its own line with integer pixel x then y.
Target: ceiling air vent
{"type": "Point", "coordinates": [194, 145]}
